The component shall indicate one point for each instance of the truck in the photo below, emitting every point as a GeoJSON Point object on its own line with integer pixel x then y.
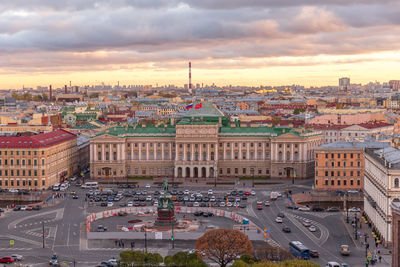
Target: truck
{"type": "Point", "coordinates": [274, 195]}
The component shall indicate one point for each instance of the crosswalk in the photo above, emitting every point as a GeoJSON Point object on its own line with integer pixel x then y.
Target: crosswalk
{"type": "Point", "coordinates": [15, 249]}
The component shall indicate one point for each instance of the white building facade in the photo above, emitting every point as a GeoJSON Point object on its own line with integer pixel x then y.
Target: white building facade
{"type": "Point", "coordinates": [381, 188]}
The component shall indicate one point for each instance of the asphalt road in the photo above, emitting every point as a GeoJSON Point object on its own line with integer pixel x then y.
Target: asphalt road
{"type": "Point", "coordinates": [65, 231]}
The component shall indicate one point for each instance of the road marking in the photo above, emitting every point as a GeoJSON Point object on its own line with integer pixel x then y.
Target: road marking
{"type": "Point", "coordinates": [24, 240]}
{"type": "Point", "coordinates": [69, 228]}
{"type": "Point", "coordinates": [55, 235]}
{"type": "Point", "coordinates": [59, 215]}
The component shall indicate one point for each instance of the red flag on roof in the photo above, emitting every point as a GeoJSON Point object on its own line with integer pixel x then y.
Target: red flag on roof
{"type": "Point", "coordinates": [198, 106]}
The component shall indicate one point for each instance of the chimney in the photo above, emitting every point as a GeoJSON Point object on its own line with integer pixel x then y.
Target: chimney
{"type": "Point", "coordinates": [66, 89]}
{"type": "Point", "coordinates": [50, 93]}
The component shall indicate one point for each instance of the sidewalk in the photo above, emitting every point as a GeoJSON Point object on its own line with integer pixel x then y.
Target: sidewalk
{"type": "Point", "coordinates": [360, 242]}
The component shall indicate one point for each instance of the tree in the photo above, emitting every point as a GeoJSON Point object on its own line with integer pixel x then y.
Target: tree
{"type": "Point", "coordinates": [270, 253]}
{"type": "Point", "coordinates": [240, 263]}
{"type": "Point", "coordinates": [183, 259]}
{"type": "Point", "coordinates": [126, 257]}
{"type": "Point", "coordinates": [223, 245]}
{"type": "Point", "coordinates": [153, 258]}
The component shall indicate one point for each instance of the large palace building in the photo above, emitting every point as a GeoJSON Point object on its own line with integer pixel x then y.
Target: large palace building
{"type": "Point", "coordinates": [202, 144]}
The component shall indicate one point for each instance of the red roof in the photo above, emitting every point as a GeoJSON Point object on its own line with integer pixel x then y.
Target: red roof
{"type": "Point", "coordinates": [36, 141]}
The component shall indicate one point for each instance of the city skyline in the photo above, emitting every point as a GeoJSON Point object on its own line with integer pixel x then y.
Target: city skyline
{"type": "Point", "coordinates": [228, 42]}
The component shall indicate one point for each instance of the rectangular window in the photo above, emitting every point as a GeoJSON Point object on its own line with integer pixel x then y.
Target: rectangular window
{"type": "Point", "coordinates": [326, 156]}
{"type": "Point", "coordinates": [17, 172]}
{"type": "Point", "coordinates": [332, 173]}
{"type": "Point", "coordinates": [326, 182]}
{"type": "Point", "coordinates": [236, 170]}
{"type": "Point", "coordinates": [351, 173]}
{"type": "Point", "coordinates": [244, 170]}
{"type": "Point", "coordinates": [338, 182]}
{"type": "Point", "coordinates": [351, 182]}
{"type": "Point", "coordinates": [338, 155]}
{"type": "Point", "coordinates": [228, 170]}
{"type": "Point", "coordinates": [344, 182]}
{"type": "Point", "coordinates": [267, 171]}
{"type": "Point", "coordinates": [338, 164]}
{"type": "Point", "coordinates": [332, 182]}
{"type": "Point", "coordinates": [23, 162]}
{"type": "Point", "coordinates": [35, 172]}
{"type": "Point", "coordinates": [43, 182]}
{"type": "Point", "coordinates": [42, 172]}
{"type": "Point", "coordinates": [42, 162]}
{"type": "Point", "coordinates": [326, 173]}
{"type": "Point", "coordinates": [23, 172]}
{"type": "Point", "coordinates": [351, 155]}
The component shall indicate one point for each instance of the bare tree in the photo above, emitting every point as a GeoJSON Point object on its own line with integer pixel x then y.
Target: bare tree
{"type": "Point", "coordinates": [270, 253]}
{"type": "Point", "coordinates": [223, 245]}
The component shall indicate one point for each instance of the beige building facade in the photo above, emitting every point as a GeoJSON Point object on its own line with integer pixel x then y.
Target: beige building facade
{"type": "Point", "coordinates": [203, 144]}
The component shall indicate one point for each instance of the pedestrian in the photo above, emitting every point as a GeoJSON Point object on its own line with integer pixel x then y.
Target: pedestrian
{"type": "Point", "coordinates": [380, 259]}
{"type": "Point", "coordinates": [123, 245]}
{"type": "Point", "coordinates": [376, 244]}
{"type": "Point", "coordinates": [116, 242]}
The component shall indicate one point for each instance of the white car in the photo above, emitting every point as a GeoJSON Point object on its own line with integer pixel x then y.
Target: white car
{"type": "Point", "coordinates": [12, 190]}
{"type": "Point", "coordinates": [24, 207]}
{"type": "Point", "coordinates": [186, 192]}
{"type": "Point", "coordinates": [185, 198]}
{"type": "Point", "coordinates": [304, 208]}
{"type": "Point", "coordinates": [17, 257]}
{"type": "Point", "coordinates": [237, 199]}
{"type": "Point", "coordinates": [267, 203]}
{"type": "Point", "coordinates": [112, 262]}
{"type": "Point", "coordinates": [147, 186]}
{"type": "Point", "coordinates": [196, 204]}
{"type": "Point", "coordinates": [259, 202]}
{"type": "Point", "coordinates": [278, 220]}
{"type": "Point", "coordinates": [236, 204]}
{"type": "Point", "coordinates": [212, 198]}
{"type": "Point", "coordinates": [222, 204]}
{"type": "Point", "coordinates": [253, 193]}
{"type": "Point", "coordinates": [155, 203]}
{"type": "Point", "coordinates": [149, 198]}
{"type": "Point", "coordinates": [312, 228]}
{"type": "Point", "coordinates": [210, 192]}
{"type": "Point", "coordinates": [354, 209]}
{"type": "Point", "coordinates": [130, 204]}
{"type": "Point", "coordinates": [110, 204]}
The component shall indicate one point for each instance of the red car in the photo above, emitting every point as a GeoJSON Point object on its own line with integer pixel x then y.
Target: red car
{"type": "Point", "coordinates": [247, 193]}
{"type": "Point", "coordinates": [6, 260]}
{"type": "Point", "coordinates": [259, 207]}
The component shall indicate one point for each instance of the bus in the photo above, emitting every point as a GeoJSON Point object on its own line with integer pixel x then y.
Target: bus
{"type": "Point", "coordinates": [91, 185]}
{"type": "Point", "coordinates": [299, 250]}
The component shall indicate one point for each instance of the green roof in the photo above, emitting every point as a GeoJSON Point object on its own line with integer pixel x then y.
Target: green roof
{"type": "Point", "coordinates": [86, 126]}
{"type": "Point", "coordinates": [138, 130]}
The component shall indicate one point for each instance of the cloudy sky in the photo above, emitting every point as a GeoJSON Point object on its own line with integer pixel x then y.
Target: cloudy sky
{"type": "Point", "coordinates": [243, 42]}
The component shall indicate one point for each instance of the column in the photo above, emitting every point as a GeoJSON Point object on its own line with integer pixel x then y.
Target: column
{"type": "Point", "coordinates": [232, 151]}
{"type": "Point", "coordinates": [200, 152]}
{"type": "Point", "coordinates": [284, 153]}
{"type": "Point", "coordinates": [102, 152]}
{"type": "Point", "coordinates": [184, 152]}
{"type": "Point", "coordinates": [176, 152]}
{"type": "Point", "coordinates": [240, 151]}
{"type": "Point", "coordinates": [292, 151]}
{"type": "Point", "coordinates": [155, 152]}
{"type": "Point", "coordinates": [255, 151]}
{"type": "Point", "coordinates": [140, 151]}
{"type": "Point", "coordinates": [162, 151]}
{"type": "Point", "coordinates": [207, 172]}
{"type": "Point", "coordinates": [111, 154]}
{"type": "Point", "coordinates": [224, 155]}
{"type": "Point", "coordinates": [132, 152]}
{"type": "Point", "coordinates": [216, 152]}
{"type": "Point", "coordinates": [192, 157]}
{"type": "Point", "coordinates": [208, 152]}
{"type": "Point", "coordinates": [118, 152]}
{"type": "Point", "coordinates": [248, 151]}
{"type": "Point", "coordinates": [305, 152]}
{"type": "Point", "coordinates": [191, 172]}
{"type": "Point", "coordinates": [263, 151]}
{"type": "Point", "coordinates": [183, 172]}
{"type": "Point", "coordinates": [147, 151]}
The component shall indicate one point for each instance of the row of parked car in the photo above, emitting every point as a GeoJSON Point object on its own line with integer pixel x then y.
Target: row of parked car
{"type": "Point", "coordinates": [12, 258]}
{"type": "Point", "coordinates": [27, 207]}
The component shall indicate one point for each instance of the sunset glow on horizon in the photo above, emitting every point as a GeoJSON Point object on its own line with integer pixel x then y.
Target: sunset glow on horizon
{"type": "Point", "coordinates": [228, 42]}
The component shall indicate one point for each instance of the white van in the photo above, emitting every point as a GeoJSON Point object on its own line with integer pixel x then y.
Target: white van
{"type": "Point", "coordinates": [56, 187]}
{"type": "Point", "coordinates": [332, 264]}
{"type": "Point", "coordinates": [63, 187]}
{"type": "Point", "coordinates": [91, 185]}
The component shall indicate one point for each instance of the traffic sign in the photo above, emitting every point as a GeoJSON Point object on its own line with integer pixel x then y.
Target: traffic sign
{"type": "Point", "coordinates": [12, 242]}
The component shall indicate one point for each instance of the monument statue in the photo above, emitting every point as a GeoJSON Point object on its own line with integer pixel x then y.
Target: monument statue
{"type": "Point", "coordinates": [166, 208]}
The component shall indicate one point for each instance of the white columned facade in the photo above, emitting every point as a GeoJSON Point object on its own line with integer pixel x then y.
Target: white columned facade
{"type": "Point", "coordinates": [162, 151]}
{"type": "Point", "coordinates": [184, 152]}
{"type": "Point", "coordinates": [247, 150]}
{"type": "Point", "coordinates": [263, 151]}
{"type": "Point", "coordinates": [103, 152]}
{"type": "Point", "coordinates": [240, 151]}
{"type": "Point", "coordinates": [147, 151]}
{"type": "Point", "coordinates": [224, 155]}
{"type": "Point", "coordinates": [292, 151]}
{"type": "Point", "coordinates": [208, 152]}
{"type": "Point", "coordinates": [140, 151]}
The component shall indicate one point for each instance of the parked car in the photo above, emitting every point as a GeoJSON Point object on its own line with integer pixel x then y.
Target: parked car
{"type": "Point", "coordinates": [286, 229]}
{"type": "Point", "coordinates": [7, 260]}
{"type": "Point", "coordinates": [147, 186]}
{"type": "Point", "coordinates": [37, 207]}
{"type": "Point", "coordinates": [317, 208]}
{"type": "Point", "coordinates": [312, 228]}
{"type": "Point", "coordinates": [314, 253]}
{"type": "Point", "coordinates": [281, 214]}
{"type": "Point", "coordinates": [304, 208]}
{"type": "Point", "coordinates": [333, 209]}
{"type": "Point", "coordinates": [196, 204]}
{"type": "Point", "coordinates": [110, 204]}
{"type": "Point", "coordinates": [101, 228]}
{"type": "Point", "coordinates": [354, 209]}
{"type": "Point", "coordinates": [17, 257]}
{"type": "Point", "coordinates": [122, 213]}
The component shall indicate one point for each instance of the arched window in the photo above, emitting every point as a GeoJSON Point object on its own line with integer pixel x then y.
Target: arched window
{"type": "Point", "coordinates": [280, 156]}
{"type": "Point", "coordinates": [396, 182]}
{"type": "Point", "coordinates": [288, 155]}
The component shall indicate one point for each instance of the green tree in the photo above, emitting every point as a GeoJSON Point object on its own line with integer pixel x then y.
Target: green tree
{"type": "Point", "coordinates": [126, 257]}
{"type": "Point", "coordinates": [247, 258]}
{"type": "Point", "coordinates": [240, 263]}
{"type": "Point", "coordinates": [184, 259]}
{"type": "Point", "coordinates": [153, 258]}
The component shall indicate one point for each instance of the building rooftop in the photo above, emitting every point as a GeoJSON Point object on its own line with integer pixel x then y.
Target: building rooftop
{"type": "Point", "coordinates": [388, 156]}
{"type": "Point", "coordinates": [354, 145]}
{"type": "Point", "coordinates": [37, 141]}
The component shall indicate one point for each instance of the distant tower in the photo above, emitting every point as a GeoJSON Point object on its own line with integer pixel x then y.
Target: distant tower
{"type": "Point", "coordinates": [190, 76]}
{"type": "Point", "coordinates": [66, 89]}
{"type": "Point", "coordinates": [50, 93]}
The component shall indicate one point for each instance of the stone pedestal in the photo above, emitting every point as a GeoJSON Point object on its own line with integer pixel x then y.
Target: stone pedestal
{"type": "Point", "coordinates": [165, 217]}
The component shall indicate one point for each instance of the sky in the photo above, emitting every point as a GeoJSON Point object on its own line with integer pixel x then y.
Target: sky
{"type": "Point", "coordinates": [238, 42]}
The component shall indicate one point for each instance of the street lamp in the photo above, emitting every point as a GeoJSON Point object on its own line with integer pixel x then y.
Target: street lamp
{"type": "Point", "coordinates": [215, 177]}
{"type": "Point", "coordinates": [252, 173]}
